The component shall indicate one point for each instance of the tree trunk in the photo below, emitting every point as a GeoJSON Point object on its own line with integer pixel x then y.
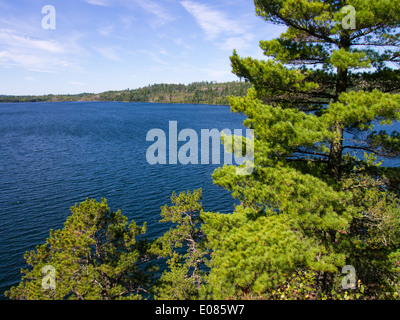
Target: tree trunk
{"type": "Point", "coordinates": [335, 155]}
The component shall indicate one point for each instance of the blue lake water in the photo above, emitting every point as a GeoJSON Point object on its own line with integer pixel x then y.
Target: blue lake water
{"type": "Point", "coordinates": [53, 155]}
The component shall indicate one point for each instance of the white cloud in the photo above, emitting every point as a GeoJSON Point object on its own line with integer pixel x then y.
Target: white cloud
{"type": "Point", "coordinates": [163, 16]}
{"type": "Point", "coordinates": [10, 38]}
{"type": "Point", "coordinates": [238, 42]}
{"type": "Point", "coordinates": [35, 54]}
{"type": "Point", "coordinates": [109, 53]}
{"type": "Point", "coordinates": [106, 31]}
{"type": "Point", "coordinates": [27, 61]}
{"type": "Point", "coordinates": [155, 57]}
{"type": "Point", "coordinates": [102, 3]}
{"type": "Point", "coordinates": [213, 22]}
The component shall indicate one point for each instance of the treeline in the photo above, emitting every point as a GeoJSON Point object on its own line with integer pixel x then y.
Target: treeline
{"type": "Point", "coordinates": [196, 93]}
{"type": "Point", "coordinates": [48, 98]}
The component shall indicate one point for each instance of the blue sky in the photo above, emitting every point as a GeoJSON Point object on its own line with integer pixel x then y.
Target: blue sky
{"type": "Point", "coordinates": [101, 45]}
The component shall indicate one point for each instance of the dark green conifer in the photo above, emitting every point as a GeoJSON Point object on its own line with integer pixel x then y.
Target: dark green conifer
{"type": "Point", "coordinates": [94, 257]}
{"type": "Point", "coordinates": [318, 199]}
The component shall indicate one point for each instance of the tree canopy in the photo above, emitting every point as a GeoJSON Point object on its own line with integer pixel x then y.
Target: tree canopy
{"type": "Point", "coordinates": [96, 256]}
{"type": "Point", "coordinates": [312, 204]}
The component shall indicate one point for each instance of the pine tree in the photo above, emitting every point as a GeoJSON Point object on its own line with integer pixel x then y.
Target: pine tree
{"type": "Point", "coordinates": [94, 257]}
{"type": "Point", "coordinates": [314, 203]}
{"type": "Point", "coordinates": [184, 246]}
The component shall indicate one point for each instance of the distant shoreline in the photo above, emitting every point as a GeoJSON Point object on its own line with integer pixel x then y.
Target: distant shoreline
{"type": "Point", "coordinates": [33, 102]}
{"type": "Point", "coordinates": [211, 93]}
{"type": "Point", "coordinates": [194, 103]}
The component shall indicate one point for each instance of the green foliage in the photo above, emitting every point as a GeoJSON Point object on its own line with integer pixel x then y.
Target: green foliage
{"type": "Point", "coordinates": [343, 59]}
{"type": "Point", "coordinates": [250, 255]}
{"type": "Point", "coordinates": [183, 245]}
{"type": "Point", "coordinates": [194, 93]}
{"type": "Point", "coordinates": [96, 257]}
{"type": "Point", "coordinates": [309, 206]}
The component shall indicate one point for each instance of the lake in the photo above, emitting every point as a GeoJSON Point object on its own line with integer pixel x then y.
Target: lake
{"type": "Point", "coordinates": [54, 155]}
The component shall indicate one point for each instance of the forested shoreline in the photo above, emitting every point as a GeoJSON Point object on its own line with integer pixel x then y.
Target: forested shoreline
{"type": "Point", "coordinates": [195, 93]}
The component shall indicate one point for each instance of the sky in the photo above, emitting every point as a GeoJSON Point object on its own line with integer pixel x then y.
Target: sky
{"type": "Point", "coordinates": [100, 45]}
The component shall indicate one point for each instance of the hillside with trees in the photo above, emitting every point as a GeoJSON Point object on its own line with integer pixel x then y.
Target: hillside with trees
{"type": "Point", "coordinates": [195, 93]}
